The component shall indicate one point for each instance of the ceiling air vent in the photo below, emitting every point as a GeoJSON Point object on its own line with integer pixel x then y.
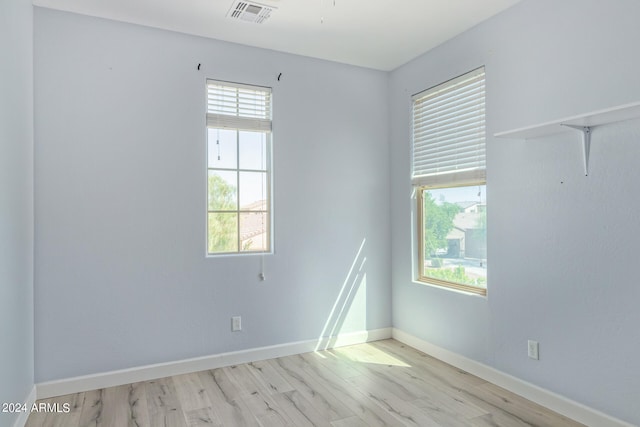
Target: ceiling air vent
{"type": "Point", "coordinates": [249, 11]}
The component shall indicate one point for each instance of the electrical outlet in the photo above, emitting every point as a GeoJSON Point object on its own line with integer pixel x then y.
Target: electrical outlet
{"type": "Point", "coordinates": [533, 350]}
{"type": "Point", "coordinates": [236, 323]}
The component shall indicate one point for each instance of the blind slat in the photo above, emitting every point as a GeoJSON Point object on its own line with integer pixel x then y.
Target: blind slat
{"type": "Point", "coordinates": [460, 147]}
{"type": "Point", "coordinates": [472, 104]}
{"type": "Point", "coordinates": [240, 123]}
{"type": "Point", "coordinates": [455, 162]}
{"type": "Point", "coordinates": [238, 106]}
{"type": "Point", "coordinates": [450, 85]}
{"type": "Point", "coordinates": [428, 142]}
{"type": "Point", "coordinates": [459, 94]}
{"type": "Point", "coordinates": [449, 131]}
{"type": "Point", "coordinates": [443, 130]}
{"type": "Point", "coordinates": [464, 161]}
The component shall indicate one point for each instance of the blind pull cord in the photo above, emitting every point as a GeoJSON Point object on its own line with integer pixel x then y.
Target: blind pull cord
{"type": "Point", "coordinates": [218, 144]}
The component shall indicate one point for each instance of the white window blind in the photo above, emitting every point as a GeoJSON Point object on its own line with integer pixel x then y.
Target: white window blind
{"type": "Point", "coordinates": [237, 106]}
{"type": "Point", "coordinates": [449, 132]}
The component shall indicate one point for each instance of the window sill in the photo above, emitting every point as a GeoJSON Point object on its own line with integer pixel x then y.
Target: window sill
{"type": "Point", "coordinates": [454, 287]}
{"type": "Point", "coordinates": [237, 254]}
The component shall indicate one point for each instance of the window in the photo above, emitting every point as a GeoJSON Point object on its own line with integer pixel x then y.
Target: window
{"type": "Point", "coordinates": [238, 168]}
{"type": "Point", "coordinates": [450, 181]}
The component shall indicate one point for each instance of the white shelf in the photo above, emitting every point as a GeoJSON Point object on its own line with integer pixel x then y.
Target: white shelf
{"type": "Point", "coordinates": [583, 123]}
{"type": "Point", "coordinates": [596, 118]}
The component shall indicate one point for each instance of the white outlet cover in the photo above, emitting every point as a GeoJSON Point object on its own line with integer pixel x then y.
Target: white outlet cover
{"type": "Point", "coordinates": [533, 350]}
{"type": "Point", "coordinates": [236, 323]}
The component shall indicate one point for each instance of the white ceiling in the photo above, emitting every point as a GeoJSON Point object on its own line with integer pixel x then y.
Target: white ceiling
{"type": "Point", "coordinates": [379, 34]}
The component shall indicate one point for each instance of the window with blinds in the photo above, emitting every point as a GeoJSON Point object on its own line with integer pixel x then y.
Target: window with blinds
{"type": "Point", "coordinates": [238, 168]}
{"type": "Point", "coordinates": [238, 106]}
{"type": "Point", "coordinates": [449, 173]}
{"type": "Point", "coordinates": [449, 132]}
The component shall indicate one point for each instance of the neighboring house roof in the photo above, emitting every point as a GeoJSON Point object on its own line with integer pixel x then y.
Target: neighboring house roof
{"type": "Point", "coordinates": [260, 205]}
{"type": "Point", "coordinates": [467, 204]}
{"type": "Point", "coordinates": [253, 224]}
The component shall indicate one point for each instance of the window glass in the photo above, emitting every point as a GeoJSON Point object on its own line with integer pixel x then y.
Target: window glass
{"type": "Point", "coordinates": [454, 231]}
{"type": "Point", "coordinates": [222, 149]}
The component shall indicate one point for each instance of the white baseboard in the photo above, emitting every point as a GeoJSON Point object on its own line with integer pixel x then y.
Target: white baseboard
{"type": "Point", "coordinates": [29, 401]}
{"type": "Point", "coordinates": [161, 370]}
{"type": "Point", "coordinates": [560, 404]}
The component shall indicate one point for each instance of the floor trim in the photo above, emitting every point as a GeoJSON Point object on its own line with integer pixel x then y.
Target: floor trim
{"type": "Point", "coordinates": [555, 402]}
{"type": "Point", "coordinates": [150, 372]}
{"type": "Point", "coordinates": [23, 416]}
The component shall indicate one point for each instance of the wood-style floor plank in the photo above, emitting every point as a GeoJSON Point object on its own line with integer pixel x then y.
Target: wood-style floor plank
{"type": "Point", "coordinates": [349, 422]}
{"type": "Point", "coordinates": [245, 382]}
{"type": "Point", "coordinates": [203, 417]}
{"type": "Point", "coordinates": [519, 407]}
{"type": "Point", "coordinates": [230, 411]}
{"type": "Point", "coordinates": [191, 393]}
{"type": "Point", "coordinates": [301, 411]}
{"type": "Point", "coordinates": [308, 386]}
{"type": "Point", "coordinates": [164, 407]}
{"type": "Point", "coordinates": [356, 401]}
{"type": "Point", "coordinates": [384, 383]}
{"type": "Point", "coordinates": [404, 411]}
{"type": "Point", "coordinates": [270, 379]}
{"type": "Point", "coordinates": [266, 411]}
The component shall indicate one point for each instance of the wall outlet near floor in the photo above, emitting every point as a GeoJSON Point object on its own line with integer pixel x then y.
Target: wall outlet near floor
{"type": "Point", "coordinates": [533, 350]}
{"type": "Point", "coordinates": [236, 323]}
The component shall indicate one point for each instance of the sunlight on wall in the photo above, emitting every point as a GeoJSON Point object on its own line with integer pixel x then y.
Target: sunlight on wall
{"type": "Point", "coordinates": [349, 311]}
{"type": "Point", "coordinates": [355, 316]}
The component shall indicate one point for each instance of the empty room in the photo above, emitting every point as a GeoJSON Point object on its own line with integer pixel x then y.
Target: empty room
{"type": "Point", "coordinates": [319, 213]}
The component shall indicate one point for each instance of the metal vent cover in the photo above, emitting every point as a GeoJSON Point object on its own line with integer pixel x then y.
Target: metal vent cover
{"type": "Point", "coordinates": [249, 11]}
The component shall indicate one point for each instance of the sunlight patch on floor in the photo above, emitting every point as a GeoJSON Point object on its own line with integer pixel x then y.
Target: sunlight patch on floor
{"type": "Point", "coordinates": [366, 353]}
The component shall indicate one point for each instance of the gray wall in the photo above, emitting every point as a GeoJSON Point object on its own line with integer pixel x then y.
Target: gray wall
{"type": "Point", "coordinates": [562, 246]}
{"type": "Point", "coordinates": [16, 203]}
{"type": "Point", "coordinates": [121, 274]}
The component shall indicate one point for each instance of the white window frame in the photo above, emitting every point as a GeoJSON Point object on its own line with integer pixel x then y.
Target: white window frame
{"type": "Point", "coordinates": [448, 149]}
{"type": "Point", "coordinates": [250, 109]}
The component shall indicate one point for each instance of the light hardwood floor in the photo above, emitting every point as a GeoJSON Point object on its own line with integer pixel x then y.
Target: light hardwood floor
{"type": "Point", "coordinates": [383, 383]}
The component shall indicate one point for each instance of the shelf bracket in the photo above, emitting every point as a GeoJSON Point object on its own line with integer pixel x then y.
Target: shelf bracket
{"type": "Point", "coordinates": [586, 143]}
